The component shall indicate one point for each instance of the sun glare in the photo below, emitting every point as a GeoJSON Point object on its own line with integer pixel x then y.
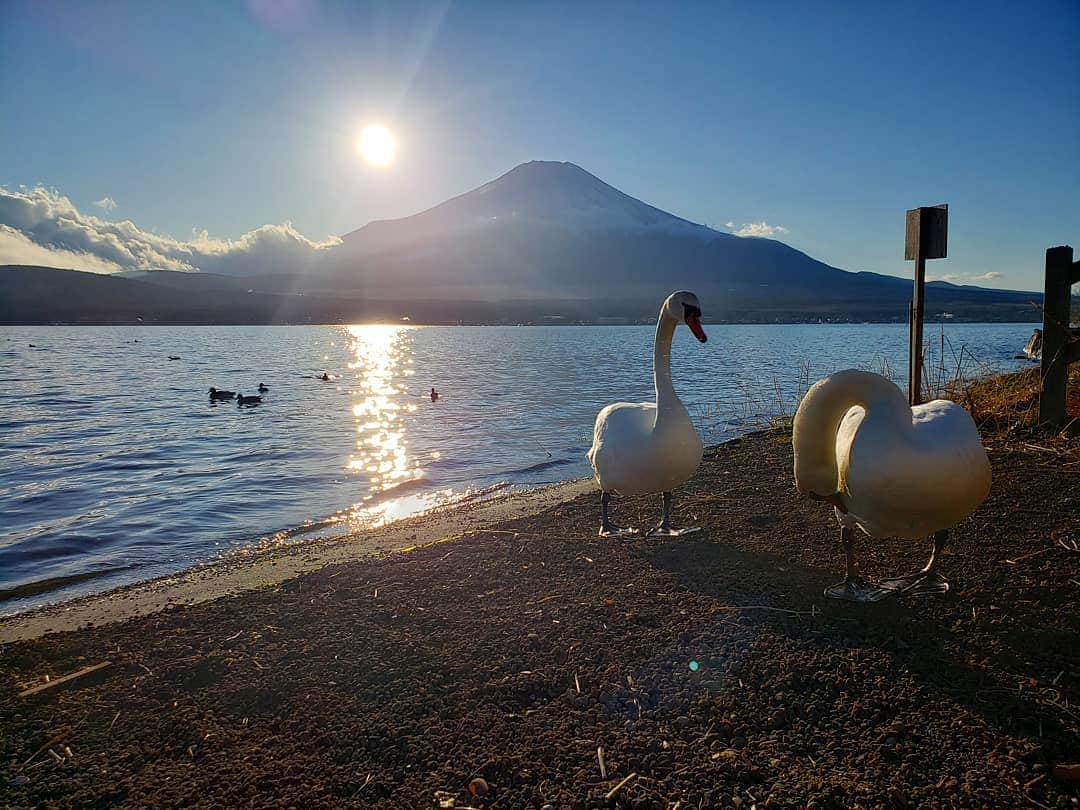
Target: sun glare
{"type": "Point", "coordinates": [376, 146]}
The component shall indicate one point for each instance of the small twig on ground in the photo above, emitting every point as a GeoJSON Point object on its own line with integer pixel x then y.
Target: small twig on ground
{"type": "Point", "coordinates": [64, 679]}
{"type": "Point", "coordinates": [765, 607]}
{"type": "Point", "coordinates": [611, 793]}
{"type": "Point", "coordinates": [1015, 560]}
{"type": "Point", "coordinates": [49, 744]}
{"type": "Point", "coordinates": [600, 759]}
{"type": "Point", "coordinates": [545, 599]}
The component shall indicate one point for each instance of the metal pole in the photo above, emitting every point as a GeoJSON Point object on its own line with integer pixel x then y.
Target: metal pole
{"type": "Point", "coordinates": [915, 366]}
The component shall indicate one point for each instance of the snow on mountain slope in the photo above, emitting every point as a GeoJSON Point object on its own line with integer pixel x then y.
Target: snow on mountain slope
{"type": "Point", "coordinates": [543, 192]}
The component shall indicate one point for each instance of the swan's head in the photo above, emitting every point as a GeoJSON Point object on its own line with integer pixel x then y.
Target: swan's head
{"type": "Point", "coordinates": [684, 307]}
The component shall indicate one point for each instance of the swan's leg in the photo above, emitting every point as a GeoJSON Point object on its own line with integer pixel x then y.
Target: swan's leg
{"type": "Point", "coordinates": [854, 588]}
{"type": "Point", "coordinates": [665, 529]}
{"type": "Point", "coordinates": [607, 528]}
{"type": "Point", "coordinates": [926, 582]}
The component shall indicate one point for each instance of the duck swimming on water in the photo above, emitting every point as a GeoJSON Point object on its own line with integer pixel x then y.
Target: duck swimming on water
{"type": "Point", "coordinates": [263, 389]}
{"type": "Point", "coordinates": [216, 395]}
{"type": "Point", "coordinates": [241, 400]}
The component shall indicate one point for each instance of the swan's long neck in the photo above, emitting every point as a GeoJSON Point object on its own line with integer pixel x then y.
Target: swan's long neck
{"type": "Point", "coordinates": [818, 420]}
{"type": "Point", "coordinates": [666, 399]}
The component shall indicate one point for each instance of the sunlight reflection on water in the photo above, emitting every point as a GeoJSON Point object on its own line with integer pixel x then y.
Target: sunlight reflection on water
{"type": "Point", "coordinates": [114, 466]}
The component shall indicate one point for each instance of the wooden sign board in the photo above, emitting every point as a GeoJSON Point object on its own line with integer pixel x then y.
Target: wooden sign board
{"type": "Point", "coordinates": [931, 227]}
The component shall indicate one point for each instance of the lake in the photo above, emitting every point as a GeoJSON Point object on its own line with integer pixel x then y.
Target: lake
{"type": "Point", "coordinates": [115, 467]}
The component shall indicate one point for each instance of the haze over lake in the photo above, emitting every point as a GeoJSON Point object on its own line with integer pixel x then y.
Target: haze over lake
{"type": "Point", "coordinates": [116, 468]}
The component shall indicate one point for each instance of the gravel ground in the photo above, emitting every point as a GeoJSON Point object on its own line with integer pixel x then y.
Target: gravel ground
{"type": "Point", "coordinates": [492, 670]}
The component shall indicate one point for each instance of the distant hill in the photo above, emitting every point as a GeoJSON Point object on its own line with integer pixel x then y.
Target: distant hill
{"type": "Point", "coordinates": [546, 242]}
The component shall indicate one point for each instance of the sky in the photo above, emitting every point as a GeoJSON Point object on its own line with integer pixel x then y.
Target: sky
{"type": "Point", "coordinates": [196, 133]}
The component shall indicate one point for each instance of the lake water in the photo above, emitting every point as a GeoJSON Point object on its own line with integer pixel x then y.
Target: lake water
{"type": "Point", "coordinates": [115, 467]}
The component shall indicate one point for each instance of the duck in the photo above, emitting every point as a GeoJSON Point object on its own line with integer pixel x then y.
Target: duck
{"type": "Point", "coordinates": [643, 448]}
{"type": "Point", "coordinates": [263, 389]}
{"type": "Point", "coordinates": [173, 357]}
{"type": "Point", "coordinates": [241, 400]}
{"type": "Point", "coordinates": [888, 469]}
{"type": "Point", "coordinates": [216, 395]}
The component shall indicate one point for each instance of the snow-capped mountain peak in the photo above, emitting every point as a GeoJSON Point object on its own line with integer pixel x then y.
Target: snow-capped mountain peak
{"type": "Point", "coordinates": [543, 192]}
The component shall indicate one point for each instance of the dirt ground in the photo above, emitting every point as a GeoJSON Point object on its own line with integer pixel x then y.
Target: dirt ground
{"type": "Point", "coordinates": [708, 670]}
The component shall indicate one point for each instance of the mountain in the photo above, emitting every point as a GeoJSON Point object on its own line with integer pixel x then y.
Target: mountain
{"type": "Point", "coordinates": [553, 231]}
{"type": "Point", "coordinates": [545, 241]}
{"type": "Point", "coordinates": [540, 193]}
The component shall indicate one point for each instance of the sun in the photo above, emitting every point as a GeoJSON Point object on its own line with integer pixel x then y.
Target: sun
{"type": "Point", "coordinates": [376, 146]}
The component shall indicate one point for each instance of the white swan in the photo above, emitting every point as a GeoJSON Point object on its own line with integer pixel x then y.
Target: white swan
{"type": "Point", "coordinates": [644, 447]}
{"type": "Point", "coordinates": [889, 469]}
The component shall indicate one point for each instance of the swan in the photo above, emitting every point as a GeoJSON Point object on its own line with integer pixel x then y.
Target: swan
{"type": "Point", "coordinates": [889, 469]}
{"type": "Point", "coordinates": [644, 447]}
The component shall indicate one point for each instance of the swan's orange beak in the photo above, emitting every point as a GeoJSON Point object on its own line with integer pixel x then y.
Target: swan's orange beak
{"type": "Point", "coordinates": [694, 322]}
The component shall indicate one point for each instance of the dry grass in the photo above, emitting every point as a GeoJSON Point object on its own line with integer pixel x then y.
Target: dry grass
{"type": "Point", "coordinates": [1006, 409]}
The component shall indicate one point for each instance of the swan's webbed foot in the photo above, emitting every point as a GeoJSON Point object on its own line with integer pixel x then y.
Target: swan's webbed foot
{"type": "Point", "coordinates": [920, 583]}
{"type": "Point", "coordinates": [607, 528]}
{"type": "Point", "coordinates": [858, 590]}
{"type": "Point", "coordinates": [854, 588]}
{"type": "Point", "coordinates": [665, 529]}
{"type": "Point", "coordinates": [927, 582]}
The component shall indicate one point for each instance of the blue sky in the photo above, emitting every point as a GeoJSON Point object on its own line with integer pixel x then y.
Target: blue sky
{"type": "Point", "coordinates": [828, 120]}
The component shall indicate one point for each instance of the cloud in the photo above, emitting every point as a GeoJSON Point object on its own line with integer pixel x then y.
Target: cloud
{"type": "Point", "coordinates": [50, 222]}
{"type": "Point", "coordinates": [966, 278]}
{"type": "Point", "coordinates": [758, 229]}
{"type": "Point", "coordinates": [729, 224]}
{"type": "Point", "coordinates": [106, 204]}
{"type": "Point", "coordinates": [16, 248]}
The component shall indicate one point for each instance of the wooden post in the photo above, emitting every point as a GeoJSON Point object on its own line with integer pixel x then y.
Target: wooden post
{"type": "Point", "coordinates": [926, 237]}
{"type": "Point", "coordinates": [1058, 348]}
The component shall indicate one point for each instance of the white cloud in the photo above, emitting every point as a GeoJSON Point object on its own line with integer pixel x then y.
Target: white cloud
{"type": "Point", "coordinates": [106, 204]}
{"type": "Point", "coordinates": [50, 221]}
{"type": "Point", "coordinates": [16, 248]}
{"type": "Point", "coordinates": [729, 224]}
{"type": "Point", "coordinates": [758, 229]}
{"type": "Point", "coordinates": [966, 278]}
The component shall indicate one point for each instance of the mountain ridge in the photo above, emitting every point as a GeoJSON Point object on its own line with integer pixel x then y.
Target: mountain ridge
{"type": "Point", "coordinates": [545, 237]}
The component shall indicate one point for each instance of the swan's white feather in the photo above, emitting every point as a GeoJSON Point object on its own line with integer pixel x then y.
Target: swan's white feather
{"type": "Point", "coordinates": [902, 476]}
{"type": "Point", "coordinates": [632, 457]}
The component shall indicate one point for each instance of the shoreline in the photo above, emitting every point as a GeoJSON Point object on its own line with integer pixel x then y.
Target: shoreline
{"type": "Point", "coordinates": [240, 573]}
{"type": "Point", "coordinates": [698, 669]}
